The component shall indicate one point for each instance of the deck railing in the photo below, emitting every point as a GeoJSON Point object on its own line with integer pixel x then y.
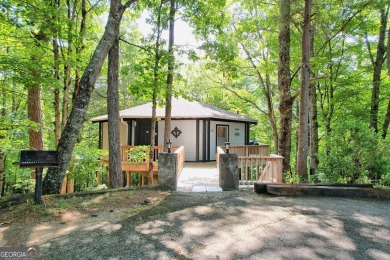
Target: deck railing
{"type": "Point", "coordinates": [248, 150]}
{"type": "Point", "coordinates": [181, 157]}
{"type": "Point", "coordinates": [220, 150]}
{"type": "Point", "coordinates": [126, 151]}
{"type": "Point", "coordinates": [260, 168]}
{"type": "Point", "coordinates": [139, 167]}
{"type": "Point", "coordinates": [255, 163]}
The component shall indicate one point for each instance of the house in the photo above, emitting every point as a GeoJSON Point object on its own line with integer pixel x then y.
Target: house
{"type": "Point", "coordinates": [198, 127]}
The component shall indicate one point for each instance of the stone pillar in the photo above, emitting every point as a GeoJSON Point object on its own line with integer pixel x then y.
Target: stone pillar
{"type": "Point", "coordinates": [167, 170]}
{"type": "Point", "coordinates": [228, 171]}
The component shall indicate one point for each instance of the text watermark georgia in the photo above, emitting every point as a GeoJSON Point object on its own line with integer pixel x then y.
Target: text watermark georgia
{"type": "Point", "coordinates": [19, 253]}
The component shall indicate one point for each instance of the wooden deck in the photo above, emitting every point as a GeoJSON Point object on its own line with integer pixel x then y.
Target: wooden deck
{"type": "Point", "coordinates": [135, 163]}
{"type": "Point", "coordinates": [255, 164]}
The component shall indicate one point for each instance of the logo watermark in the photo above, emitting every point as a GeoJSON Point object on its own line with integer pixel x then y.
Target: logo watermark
{"type": "Point", "coordinates": [19, 253]}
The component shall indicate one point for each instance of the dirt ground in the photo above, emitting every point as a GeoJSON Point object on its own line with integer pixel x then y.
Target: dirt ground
{"type": "Point", "coordinates": [49, 219]}
{"type": "Point", "coordinates": [153, 224]}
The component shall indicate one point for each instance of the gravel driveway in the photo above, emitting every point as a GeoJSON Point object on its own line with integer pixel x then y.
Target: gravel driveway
{"type": "Point", "coordinates": [235, 225]}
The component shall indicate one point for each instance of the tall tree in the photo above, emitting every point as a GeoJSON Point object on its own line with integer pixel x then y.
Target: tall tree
{"type": "Point", "coordinates": [34, 94]}
{"type": "Point", "coordinates": [313, 113]}
{"type": "Point", "coordinates": [284, 83]}
{"type": "Point", "coordinates": [80, 44]}
{"type": "Point", "coordinates": [115, 166]}
{"type": "Point", "coordinates": [171, 63]}
{"type": "Point", "coordinates": [156, 83]}
{"type": "Point", "coordinates": [386, 122]}
{"type": "Point", "coordinates": [303, 132]}
{"type": "Point", "coordinates": [53, 180]}
{"type": "Point", "coordinates": [377, 64]}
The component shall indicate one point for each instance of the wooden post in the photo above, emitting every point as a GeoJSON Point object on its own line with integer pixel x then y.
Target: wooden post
{"type": "Point", "coordinates": [128, 178]}
{"type": "Point", "coordinates": [70, 186]}
{"type": "Point", "coordinates": [64, 183]}
{"type": "Point", "coordinates": [99, 178]}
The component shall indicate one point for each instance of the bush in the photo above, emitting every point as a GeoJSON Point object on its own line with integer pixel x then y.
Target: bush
{"type": "Point", "coordinates": [84, 165]}
{"type": "Point", "coordinates": [354, 154]}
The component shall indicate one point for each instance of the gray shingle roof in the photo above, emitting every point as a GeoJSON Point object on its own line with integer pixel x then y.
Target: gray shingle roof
{"type": "Point", "coordinates": [181, 109]}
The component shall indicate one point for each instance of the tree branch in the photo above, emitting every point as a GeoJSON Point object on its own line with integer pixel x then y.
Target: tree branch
{"type": "Point", "coordinates": [369, 49]}
{"type": "Point", "coordinates": [246, 100]}
{"type": "Point", "coordinates": [342, 28]}
{"type": "Point", "coordinates": [388, 49]}
{"type": "Point", "coordinates": [93, 6]}
{"type": "Point", "coordinates": [128, 3]}
{"type": "Point", "coordinates": [135, 45]}
{"type": "Point", "coordinates": [295, 73]}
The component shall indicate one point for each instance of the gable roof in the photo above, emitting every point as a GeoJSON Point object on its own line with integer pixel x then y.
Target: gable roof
{"type": "Point", "coordinates": [181, 109]}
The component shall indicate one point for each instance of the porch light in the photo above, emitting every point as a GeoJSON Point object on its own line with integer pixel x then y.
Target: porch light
{"type": "Point", "coordinates": [227, 146]}
{"type": "Point", "coordinates": [169, 143]}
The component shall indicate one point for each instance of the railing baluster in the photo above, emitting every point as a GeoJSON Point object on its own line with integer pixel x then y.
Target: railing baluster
{"type": "Point", "coordinates": [246, 170]}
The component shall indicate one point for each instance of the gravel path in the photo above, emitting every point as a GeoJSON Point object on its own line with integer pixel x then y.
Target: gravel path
{"type": "Point", "coordinates": [235, 225]}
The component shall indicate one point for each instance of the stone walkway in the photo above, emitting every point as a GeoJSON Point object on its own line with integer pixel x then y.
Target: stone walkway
{"type": "Point", "coordinates": [199, 177]}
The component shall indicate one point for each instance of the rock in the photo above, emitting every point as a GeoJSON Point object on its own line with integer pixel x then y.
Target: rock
{"type": "Point", "coordinates": [94, 215]}
{"type": "Point", "coordinates": [146, 201]}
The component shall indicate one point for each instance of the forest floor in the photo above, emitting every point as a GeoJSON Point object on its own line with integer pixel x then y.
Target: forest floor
{"type": "Point", "coordinates": [153, 224]}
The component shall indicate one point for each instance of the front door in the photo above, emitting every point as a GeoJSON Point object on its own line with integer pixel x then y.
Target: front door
{"type": "Point", "coordinates": [142, 132]}
{"type": "Point", "coordinates": [222, 134]}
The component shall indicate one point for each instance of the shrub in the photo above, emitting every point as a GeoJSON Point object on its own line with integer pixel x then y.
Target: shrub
{"type": "Point", "coordinates": [355, 154]}
{"type": "Point", "coordinates": [84, 165]}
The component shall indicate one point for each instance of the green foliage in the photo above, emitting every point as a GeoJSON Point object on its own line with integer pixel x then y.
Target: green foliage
{"type": "Point", "coordinates": [11, 207]}
{"type": "Point", "coordinates": [23, 186]}
{"type": "Point", "coordinates": [221, 75]}
{"type": "Point", "coordinates": [138, 153]}
{"type": "Point", "coordinates": [84, 165]}
{"type": "Point", "coordinates": [356, 155]}
{"type": "Point", "coordinates": [64, 204]}
{"type": "Point", "coordinates": [291, 178]}
{"type": "Point", "coordinates": [385, 180]}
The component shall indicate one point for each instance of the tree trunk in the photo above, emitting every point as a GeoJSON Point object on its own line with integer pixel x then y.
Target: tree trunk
{"type": "Point", "coordinates": [65, 100]}
{"type": "Point", "coordinates": [35, 115]}
{"type": "Point", "coordinates": [314, 161]}
{"type": "Point", "coordinates": [53, 180]}
{"type": "Point", "coordinates": [388, 52]}
{"type": "Point", "coordinates": [387, 118]}
{"type": "Point", "coordinates": [115, 166]}
{"type": "Point", "coordinates": [386, 122]}
{"type": "Point", "coordinates": [377, 65]}
{"type": "Point", "coordinates": [313, 114]}
{"type": "Point", "coordinates": [303, 132]}
{"type": "Point", "coordinates": [171, 63]}
{"type": "Point", "coordinates": [80, 47]}
{"type": "Point", "coordinates": [156, 71]}
{"type": "Point", "coordinates": [57, 113]}
{"type": "Point", "coordinates": [4, 99]}
{"type": "Point", "coordinates": [2, 167]}
{"type": "Point", "coordinates": [2, 155]}
{"type": "Point", "coordinates": [271, 112]}
{"type": "Point", "coordinates": [152, 137]}
{"type": "Point", "coordinates": [284, 82]}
